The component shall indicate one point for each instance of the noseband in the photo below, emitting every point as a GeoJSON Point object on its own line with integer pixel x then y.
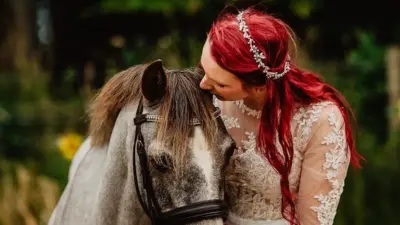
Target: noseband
{"type": "Point", "coordinates": [183, 215]}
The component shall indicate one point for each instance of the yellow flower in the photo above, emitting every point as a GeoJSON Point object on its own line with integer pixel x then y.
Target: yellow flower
{"type": "Point", "coordinates": [68, 144]}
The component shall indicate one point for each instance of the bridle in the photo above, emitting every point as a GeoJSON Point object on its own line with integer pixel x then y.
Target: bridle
{"type": "Point", "coordinates": [183, 215]}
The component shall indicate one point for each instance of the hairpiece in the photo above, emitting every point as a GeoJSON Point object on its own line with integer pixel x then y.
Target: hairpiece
{"type": "Point", "coordinates": [257, 54]}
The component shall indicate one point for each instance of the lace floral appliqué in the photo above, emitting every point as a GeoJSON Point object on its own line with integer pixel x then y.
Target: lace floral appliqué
{"type": "Point", "coordinates": [306, 118]}
{"type": "Point", "coordinates": [230, 122]}
{"type": "Point", "coordinates": [247, 110]}
{"type": "Point", "coordinates": [334, 159]}
{"type": "Point", "coordinates": [250, 143]}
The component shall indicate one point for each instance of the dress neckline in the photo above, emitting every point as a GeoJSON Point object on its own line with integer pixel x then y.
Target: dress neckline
{"type": "Point", "coordinates": [247, 110]}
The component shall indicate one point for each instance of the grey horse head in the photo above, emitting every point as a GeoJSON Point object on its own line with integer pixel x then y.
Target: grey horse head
{"type": "Point", "coordinates": [188, 146]}
{"type": "Point", "coordinates": [185, 162]}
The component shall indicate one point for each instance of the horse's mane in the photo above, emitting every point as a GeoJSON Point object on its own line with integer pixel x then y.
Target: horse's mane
{"type": "Point", "coordinates": [183, 101]}
{"type": "Point", "coordinates": [121, 89]}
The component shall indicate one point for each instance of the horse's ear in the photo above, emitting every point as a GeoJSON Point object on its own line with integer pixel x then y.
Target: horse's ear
{"type": "Point", "coordinates": [154, 81]}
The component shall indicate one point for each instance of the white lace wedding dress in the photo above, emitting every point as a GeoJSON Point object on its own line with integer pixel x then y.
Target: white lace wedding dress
{"type": "Point", "coordinates": [321, 160]}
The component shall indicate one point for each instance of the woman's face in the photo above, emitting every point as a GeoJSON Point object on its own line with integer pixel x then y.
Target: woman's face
{"type": "Point", "coordinates": [225, 85]}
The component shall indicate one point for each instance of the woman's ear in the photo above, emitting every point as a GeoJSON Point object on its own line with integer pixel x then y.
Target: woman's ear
{"type": "Point", "coordinates": [154, 81]}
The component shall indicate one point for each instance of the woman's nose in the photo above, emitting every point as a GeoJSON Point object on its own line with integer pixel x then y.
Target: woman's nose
{"type": "Point", "coordinates": [204, 84]}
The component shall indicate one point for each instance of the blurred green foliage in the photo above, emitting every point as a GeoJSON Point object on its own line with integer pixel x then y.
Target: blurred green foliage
{"type": "Point", "coordinates": [32, 122]}
{"type": "Point", "coordinates": [31, 119]}
{"type": "Point", "coordinates": [370, 194]}
{"type": "Point", "coordinates": [167, 7]}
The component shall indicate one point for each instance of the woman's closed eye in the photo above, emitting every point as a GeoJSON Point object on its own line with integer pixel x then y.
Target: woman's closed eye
{"type": "Point", "coordinates": [221, 85]}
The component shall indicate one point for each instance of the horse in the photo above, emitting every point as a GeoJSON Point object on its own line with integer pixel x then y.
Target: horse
{"type": "Point", "coordinates": [155, 154]}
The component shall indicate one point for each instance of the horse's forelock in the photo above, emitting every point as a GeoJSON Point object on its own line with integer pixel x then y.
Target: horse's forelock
{"type": "Point", "coordinates": [183, 101]}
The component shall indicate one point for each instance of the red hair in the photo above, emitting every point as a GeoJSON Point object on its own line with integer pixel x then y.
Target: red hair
{"type": "Point", "coordinates": [231, 51]}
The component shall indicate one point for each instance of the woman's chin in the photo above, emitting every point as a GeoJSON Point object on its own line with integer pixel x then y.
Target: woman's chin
{"type": "Point", "coordinates": [227, 98]}
{"type": "Point", "coordinates": [220, 97]}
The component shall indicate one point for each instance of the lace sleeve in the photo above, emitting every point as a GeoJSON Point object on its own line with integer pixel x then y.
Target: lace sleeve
{"type": "Point", "coordinates": [324, 168]}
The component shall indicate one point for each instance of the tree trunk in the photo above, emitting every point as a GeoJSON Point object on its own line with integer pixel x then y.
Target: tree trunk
{"type": "Point", "coordinates": [16, 29]}
{"type": "Point", "coordinates": [393, 79]}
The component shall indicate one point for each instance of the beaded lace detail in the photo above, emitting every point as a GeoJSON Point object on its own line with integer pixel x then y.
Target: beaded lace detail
{"type": "Point", "coordinates": [318, 171]}
{"type": "Point", "coordinates": [247, 110]}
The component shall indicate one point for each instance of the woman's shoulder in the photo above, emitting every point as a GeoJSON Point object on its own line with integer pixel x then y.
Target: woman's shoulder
{"type": "Point", "coordinates": [312, 119]}
{"type": "Point", "coordinates": [319, 111]}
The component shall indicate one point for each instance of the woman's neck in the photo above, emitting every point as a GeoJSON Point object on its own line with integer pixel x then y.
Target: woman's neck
{"type": "Point", "coordinates": [256, 99]}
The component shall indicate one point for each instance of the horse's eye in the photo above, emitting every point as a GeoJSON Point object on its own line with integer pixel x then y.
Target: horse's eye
{"type": "Point", "coordinates": [162, 163]}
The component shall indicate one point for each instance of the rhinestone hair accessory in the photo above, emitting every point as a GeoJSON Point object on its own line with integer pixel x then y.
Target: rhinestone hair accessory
{"type": "Point", "coordinates": [258, 55]}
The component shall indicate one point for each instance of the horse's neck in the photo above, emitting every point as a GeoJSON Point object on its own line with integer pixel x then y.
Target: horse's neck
{"type": "Point", "coordinates": [117, 187]}
{"type": "Point", "coordinates": [80, 198]}
{"type": "Point", "coordinates": [79, 156]}
{"type": "Point", "coordinates": [85, 174]}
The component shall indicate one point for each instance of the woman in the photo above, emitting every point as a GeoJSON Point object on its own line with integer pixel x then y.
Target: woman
{"type": "Point", "coordinates": [292, 129]}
